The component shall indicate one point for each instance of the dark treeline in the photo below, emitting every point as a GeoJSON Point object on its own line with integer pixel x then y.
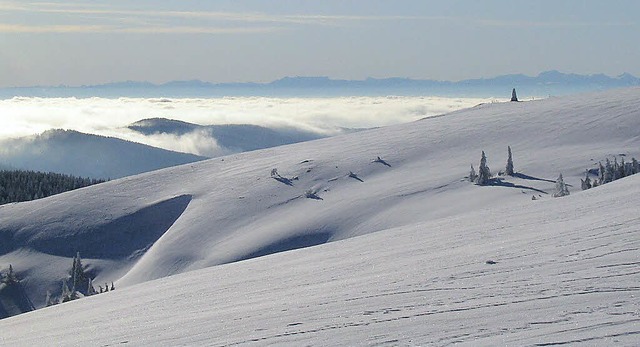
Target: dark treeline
{"type": "Point", "coordinates": [19, 185]}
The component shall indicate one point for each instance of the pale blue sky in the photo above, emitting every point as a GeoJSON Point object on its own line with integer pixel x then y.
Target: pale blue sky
{"type": "Point", "coordinates": [92, 42]}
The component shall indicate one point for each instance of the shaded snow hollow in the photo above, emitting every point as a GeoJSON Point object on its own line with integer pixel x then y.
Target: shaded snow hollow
{"type": "Point", "coordinates": [439, 260]}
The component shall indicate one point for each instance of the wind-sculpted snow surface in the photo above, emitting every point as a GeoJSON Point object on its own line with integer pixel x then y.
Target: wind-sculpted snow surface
{"type": "Point", "coordinates": [545, 273]}
{"type": "Point", "coordinates": [126, 236]}
{"type": "Point", "coordinates": [337, 189]}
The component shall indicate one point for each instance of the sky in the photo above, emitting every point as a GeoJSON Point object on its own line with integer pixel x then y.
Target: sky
{"type": "Point", "coordinates": [92, 42]}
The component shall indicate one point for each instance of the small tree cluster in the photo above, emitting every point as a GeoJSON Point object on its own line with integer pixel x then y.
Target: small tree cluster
{"type": "Point", "coordinates": [21, 301]}
{"type": "Point", "coordinates": [484, 173]}
{"type": "Point", "coordinates": [78, 285]}
{"type": "Point", "coordinates": [610, 172]}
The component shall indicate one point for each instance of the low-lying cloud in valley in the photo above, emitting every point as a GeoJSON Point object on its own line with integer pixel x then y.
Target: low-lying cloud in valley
{"type": "Point", "coordinates": [110, 117]}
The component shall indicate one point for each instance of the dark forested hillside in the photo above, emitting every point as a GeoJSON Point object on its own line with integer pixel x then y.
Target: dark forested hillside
{"type": "Point", "coordinates": [19, 185]}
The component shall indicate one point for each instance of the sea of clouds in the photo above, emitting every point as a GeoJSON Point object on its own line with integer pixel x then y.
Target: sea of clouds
{"type": "Point", "coordinates": [22, 116]}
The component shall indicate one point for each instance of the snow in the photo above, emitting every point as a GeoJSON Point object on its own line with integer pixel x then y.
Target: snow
{"type": "Point", "coordinates": [415, 254]}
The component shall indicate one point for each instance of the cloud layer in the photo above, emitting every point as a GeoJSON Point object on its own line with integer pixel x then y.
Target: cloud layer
{"type": "Point", "coordinates": [110, 117]}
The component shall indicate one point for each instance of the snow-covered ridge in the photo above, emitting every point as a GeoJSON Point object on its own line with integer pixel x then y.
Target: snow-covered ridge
{"type": "Point", "coordinates": [232, 208]}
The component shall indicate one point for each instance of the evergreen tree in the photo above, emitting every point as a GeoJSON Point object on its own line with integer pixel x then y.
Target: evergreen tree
{"type": "Point", "coordinates": [484, 173]}
{"type": "Point", "coordinates": [601, 171]}
{"type": "Point", "coordinates": [561, 188]}
{"type": "Point", "coordinates": [514, 97]}
{"type": "Point", "coordinates": [472, 174]}
{"type": "Point", "coordinates": [11, 277]}
{"type": "Point", "coordinates": [586, 183]}
{"type": "Point", "coordinates": [49, 300]}
{"type": "Point", "coordinates": [509, 168]}
{"type": "Point", "coordinates": [608, 172]}
{"type": "Point", "coordinates": [90, 289]}
{"type": "Point", "coordinates": [622, 171]}
{"type": "Point", "coordinates": [628, 168]}
{"type": "Point", "coordinates": [66, 293]}
{"type": "Point", "coordinates": [616, 170]}
{"type": "Point", "coordinates": [635, 168]}
{"type": "Point", "coordinates": [78, 277]}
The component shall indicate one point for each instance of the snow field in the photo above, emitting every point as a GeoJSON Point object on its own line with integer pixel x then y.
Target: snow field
{"type": "Point", "coordinates": [408, 244]}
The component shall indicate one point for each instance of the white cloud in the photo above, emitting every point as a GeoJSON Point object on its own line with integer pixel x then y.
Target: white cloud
{"type": "Point", "coordinates": [110, 117]}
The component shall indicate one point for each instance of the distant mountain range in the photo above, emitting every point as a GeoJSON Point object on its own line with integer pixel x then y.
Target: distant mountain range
{"type": "Point", "coordinates": [546, 83]}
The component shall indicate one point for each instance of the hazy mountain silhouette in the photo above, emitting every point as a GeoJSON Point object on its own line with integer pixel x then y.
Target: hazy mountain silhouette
{"type": "Point", "coordinates": [546, 83]}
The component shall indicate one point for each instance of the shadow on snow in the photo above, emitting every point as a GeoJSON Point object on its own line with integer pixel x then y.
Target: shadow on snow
{"type": "Point", "coordinates": [125, 237]}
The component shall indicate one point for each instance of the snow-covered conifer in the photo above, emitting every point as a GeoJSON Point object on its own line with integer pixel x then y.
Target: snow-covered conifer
{"type": "Point", "coordinates": [484, 173]}
{"type": "Point", "coordinates": [635, 168]}
{"type": "Point", "coordinates": [77, 277]}
{"type": "Point", "coordinates": [586, 184]}
{"type": "Point", "coordinates": [49, 301]}
{"type": "Point", "coordinates": [616, 170]}
{"type": "Point", "coordinates": [628, 168]}
{"type": "Point", "coordinates": [66, 293]}
{"type": "Point", "coordinates": [90, 289]}
{"type": "Point", "coordinates": [472, 174]}
{"type": "Point", "coordinates": [601, 171]}
{"type": "Point", "coordinates": [11, 277]}
{"type": "Point", "coordinates": [622, 172]}
{"type": "Point", "coordinates": [561, 188]}
{"type": "Point", "coordinates": [608, 172]}
{"type": "Point", "coordinates": [509, 168]}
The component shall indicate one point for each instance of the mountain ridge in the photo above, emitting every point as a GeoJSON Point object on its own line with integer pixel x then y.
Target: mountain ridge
{"type": "Point", "coordinates": [550, 82]}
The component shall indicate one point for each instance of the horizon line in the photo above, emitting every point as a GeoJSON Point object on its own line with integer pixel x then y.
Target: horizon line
{"type": "Point", "coordinates": [326, 78]}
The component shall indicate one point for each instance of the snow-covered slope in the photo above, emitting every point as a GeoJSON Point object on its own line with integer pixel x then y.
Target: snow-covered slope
{"type": "Point", "coordinates": [227, 209]}
{"type": "Point", "coordinates": [538, 273]}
